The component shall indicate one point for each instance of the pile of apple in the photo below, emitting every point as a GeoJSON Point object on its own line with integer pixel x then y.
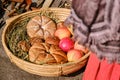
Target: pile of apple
{"type": "Point", "coordinates": [74, 50]}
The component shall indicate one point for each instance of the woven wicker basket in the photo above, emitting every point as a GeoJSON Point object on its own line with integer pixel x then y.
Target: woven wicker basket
{"type": "Point", "coordinates": [45, 69]}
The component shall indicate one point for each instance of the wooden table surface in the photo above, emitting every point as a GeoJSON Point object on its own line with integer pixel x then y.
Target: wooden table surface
{"type": "Point", "coordinates": [9, 71]}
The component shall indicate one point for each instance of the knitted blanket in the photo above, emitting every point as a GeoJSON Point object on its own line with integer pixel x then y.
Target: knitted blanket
{"type": "Point", "coordinates": [96, 24]}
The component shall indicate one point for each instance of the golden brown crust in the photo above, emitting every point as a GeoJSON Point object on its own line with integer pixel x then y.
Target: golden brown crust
{"type": "Point", "coordinates": [58, 54]}
{"type": "Point", "coordinates": [44, 47]}
{"type": "Point", "coordinates": [40, 26]}
{"type": "Point", "coordinates": [35, 40]}
{"type": "Point", "coordinates": [50, 59]}
{"type": "Point", "coordinates": [34, 53]}
{"type": "Point", "coordinates": [52, 40]}
{"type": "Point", "coordinates": [24, 45]}
{"type": "Point", "coordinates": [45, 53]}
{"type": "Point", "coordinates": [59, 59]}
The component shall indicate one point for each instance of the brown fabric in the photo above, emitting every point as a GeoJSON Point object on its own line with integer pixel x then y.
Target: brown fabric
{"type": "Point", "coordinates": [97, 25]}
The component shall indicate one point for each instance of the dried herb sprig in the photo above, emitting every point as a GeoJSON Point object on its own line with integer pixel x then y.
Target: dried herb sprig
{"type": "Point", "coordinates": [19, 33]}
{"type": "Point", "coordinates": [50, 14]}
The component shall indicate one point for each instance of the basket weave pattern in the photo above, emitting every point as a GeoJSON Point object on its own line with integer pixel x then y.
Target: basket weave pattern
{"type": "Point", "coordinates": [45, 69]}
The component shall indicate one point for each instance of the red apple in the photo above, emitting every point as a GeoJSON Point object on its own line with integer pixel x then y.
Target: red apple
{"type": "Point", "coordinates": [80, 47]}
{"type": "Point", "coordinates": [62, 32]}
{"type": "Point", "coordinates": [66, 44]}
{"type": "Point", "coordinates": [74, 55]}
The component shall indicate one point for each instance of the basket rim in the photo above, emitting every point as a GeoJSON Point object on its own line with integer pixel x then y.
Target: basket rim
{"type": "Point", "coordinates": [10, 54]}
{"type": "Point", "coordinates": [16, 17]}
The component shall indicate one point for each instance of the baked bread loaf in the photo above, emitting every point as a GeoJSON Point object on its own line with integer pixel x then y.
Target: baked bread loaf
{"type": "Point", "coordinates": [35, 40]}
{"type": "Point", "coordinates": [41, 26]}
{"type": "Point", "coordinates": [52, 40]}
{"type": "Point", "coordinates": [47, 52]}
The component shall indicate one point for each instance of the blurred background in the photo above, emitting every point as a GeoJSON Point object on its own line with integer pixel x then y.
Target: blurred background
{"type": "Point", "coordinates": [10, 8]}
